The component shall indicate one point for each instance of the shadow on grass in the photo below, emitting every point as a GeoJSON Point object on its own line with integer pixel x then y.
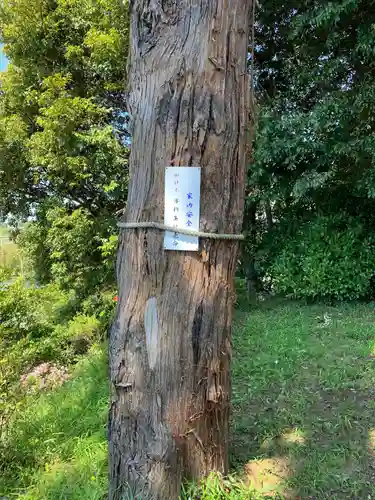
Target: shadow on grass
{"type": "Point", "coordinates": [57, 445]}
{"type": "Point", "coordinates": [304, 400]}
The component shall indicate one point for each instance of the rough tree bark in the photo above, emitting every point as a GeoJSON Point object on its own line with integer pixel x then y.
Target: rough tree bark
{"type": "Point", "coordinates": [170, 344]}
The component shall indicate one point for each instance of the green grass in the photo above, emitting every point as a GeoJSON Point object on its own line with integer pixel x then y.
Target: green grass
{"type": "Point", "coordinates": [4, 231]}
{"type": "Point", "coordinates": [303, 400]}
{"type": "Point", "coordinates": [56, 447]}
{"type": "Point", "coordinates": [303, 415]}
{"type": "Point", "coordinates": [10, 257]}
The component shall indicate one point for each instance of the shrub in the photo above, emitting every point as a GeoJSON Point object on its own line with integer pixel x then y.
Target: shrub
{"type": "Point", "coordinates": [80, 333]}
{"type": "Point", "coordinates": [28, 311]}
{"type": "Point", "coordinates": [28, 320]}
{"type": "Point", "coordinates": [37, 331]}
{"type": "Point", "coordinates": [32, 242]}
{"type": "Point", "coordinates": [328, 257]}
{"type": "Point", "coordinates": [71, 248]}
{"type": "Point", "coordinates": [102, 305]}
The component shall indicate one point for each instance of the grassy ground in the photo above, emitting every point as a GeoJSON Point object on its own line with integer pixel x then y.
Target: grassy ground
{"type": "Point", "coordinates": [303, 414]}
{"type": "Point", "coordinates": [4, 231]}
{"type": "Point", "coordinates": [56, 448]}
{"type": "Point", "coordinates": [9, 255]}
{"type": "Point", "coordinates": [304, 400]}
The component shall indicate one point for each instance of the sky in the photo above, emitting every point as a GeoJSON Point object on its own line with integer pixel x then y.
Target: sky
{"type": "Point", "coordinates": [3, 61]}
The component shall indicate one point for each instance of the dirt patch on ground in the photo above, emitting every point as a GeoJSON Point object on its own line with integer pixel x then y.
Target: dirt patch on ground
{"type": "Point", "coordinates": [269, 475]}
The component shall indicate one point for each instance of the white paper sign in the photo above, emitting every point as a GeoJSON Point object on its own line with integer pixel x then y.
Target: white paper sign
{"type": "Point", "coordinates": [182, 206]}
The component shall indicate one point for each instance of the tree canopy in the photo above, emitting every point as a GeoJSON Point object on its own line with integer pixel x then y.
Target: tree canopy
{"type": "Point", "coordinates": [314, 147]}
{"type": "Point", "coordinates": [62, 105]}
{"type": "Point", "coordinates": [63, 135]}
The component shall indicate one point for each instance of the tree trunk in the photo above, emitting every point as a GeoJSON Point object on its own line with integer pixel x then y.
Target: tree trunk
{"type": "Point", "coordinates": [170, 344]}
{"type": "Point", "coordinates": [269, 215]}
{"type": "Point", "coordinates": [249, 258]}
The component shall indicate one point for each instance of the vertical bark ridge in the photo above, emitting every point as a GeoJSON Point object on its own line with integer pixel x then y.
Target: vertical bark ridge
{"type": "Point", "coordinates": [170, 344]}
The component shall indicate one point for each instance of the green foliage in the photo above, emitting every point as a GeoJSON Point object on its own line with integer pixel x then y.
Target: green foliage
{"type": "Point", "coordinates": [32, 242]}
{"type": "Point", "coordinates": [63, 158]}
{"type": "Point", "coordinates": [101, 304]}
{"type": "Point", "coordinates": [328, 257]}
{"type": "Point", "coordinates": [39, 325]}
{"type": "Point", "coordinates": [25, 310]}
{"type": "Point", "coordinates": [314, 148]}
{"type": "Point", "coordinates": [61, 105]}
{"type": "Point", "coordinates": [79, 334]}
{"type": "Point", "coordinates": [74, 249]}
{"type": "Point", "coordinates": [29, 317]}
{"type": "Point", "coordinates": [11, 262]}
{"type": "Point", "coordinates": [69, 239]}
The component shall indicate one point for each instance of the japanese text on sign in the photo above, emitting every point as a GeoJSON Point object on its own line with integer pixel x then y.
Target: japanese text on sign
{"type": "Point", "coordinates": [182, 206]}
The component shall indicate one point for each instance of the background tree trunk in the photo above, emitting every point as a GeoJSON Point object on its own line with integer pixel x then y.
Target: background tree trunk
{"type": "Point", "coordinates": [170, 345]}
{"type": "Point", "coordinates": [269, 215]}
{"type": "Point", "coordinates": [252, 279]}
